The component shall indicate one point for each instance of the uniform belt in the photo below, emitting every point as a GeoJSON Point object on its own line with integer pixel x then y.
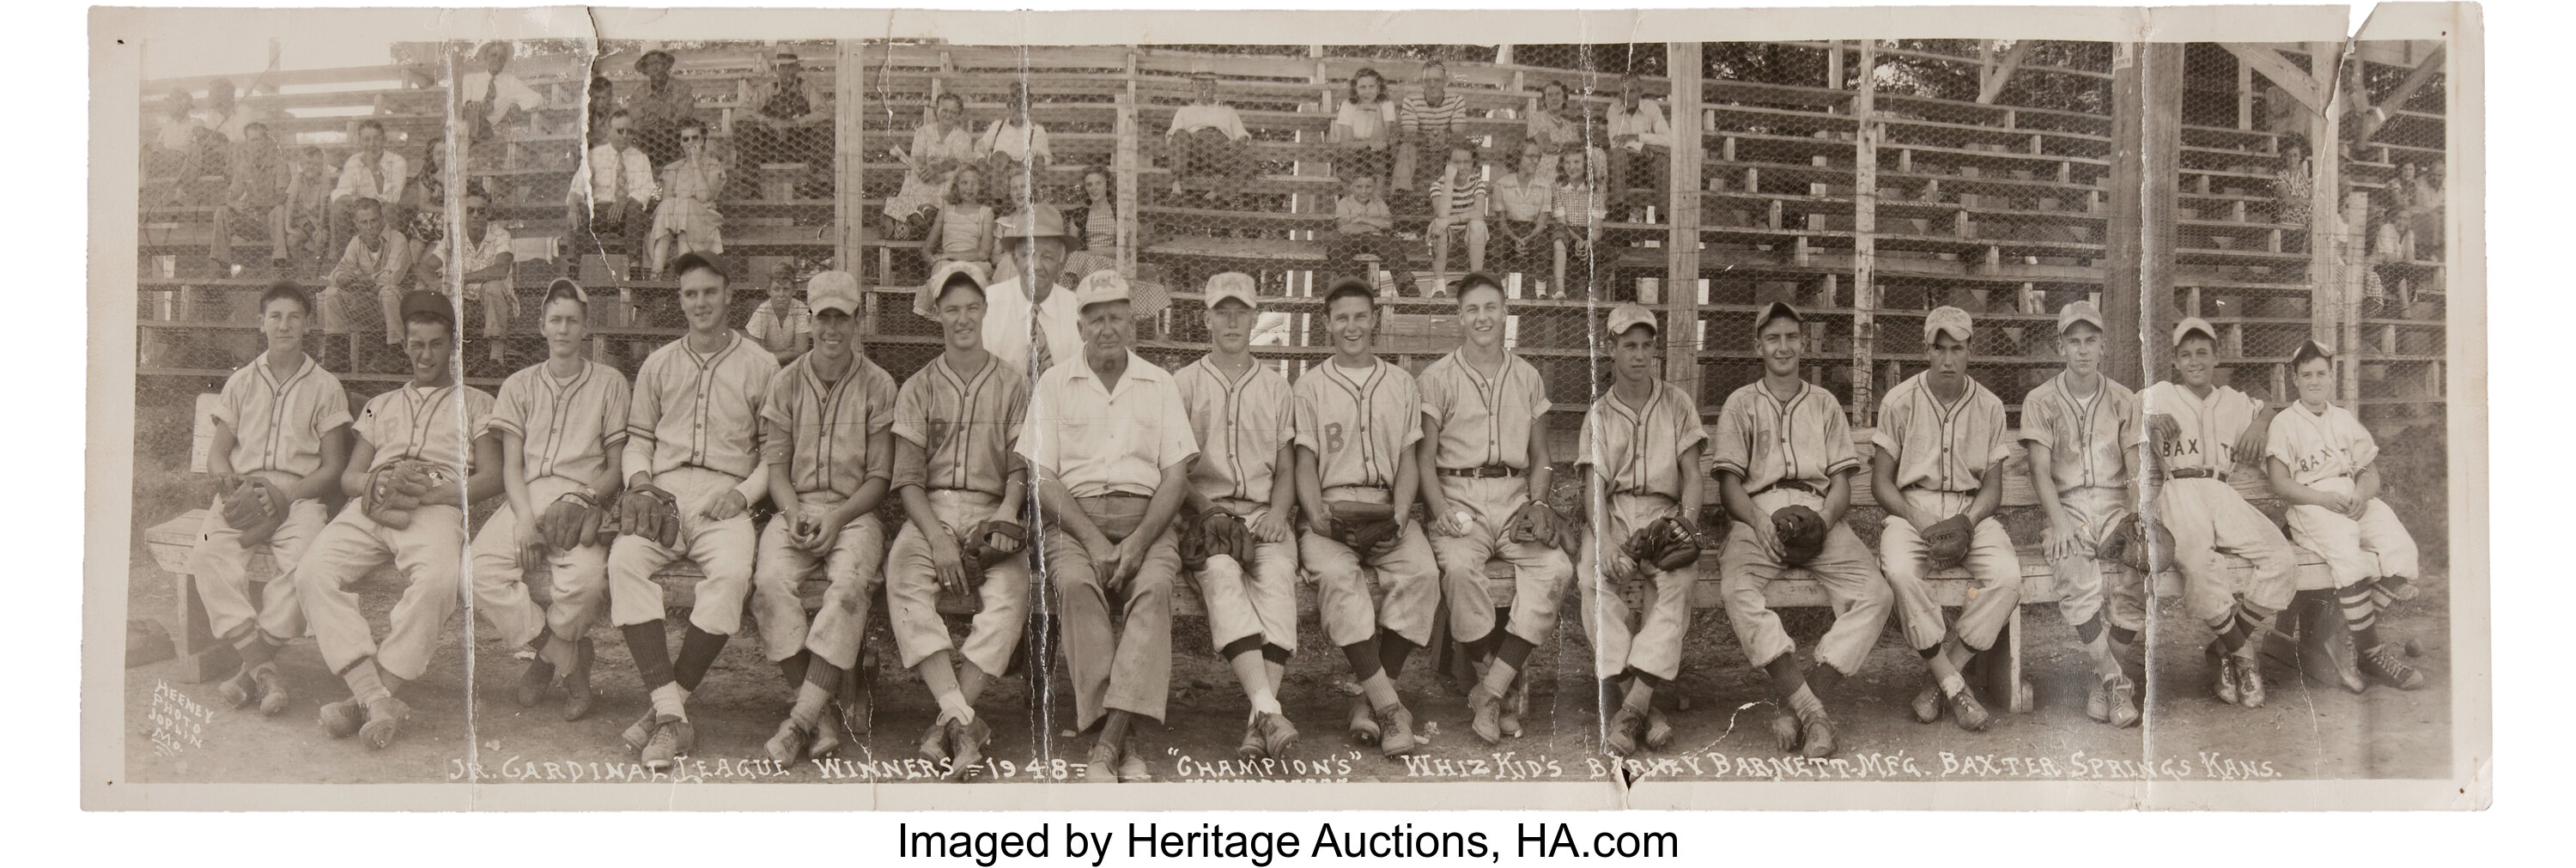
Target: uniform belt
{"type": "Point", "coordinates": [1489, 471]}
{"type": "Point", "coordinates": [1791, 485]}
{"type": "Point", "coordinates": [2197, 473]}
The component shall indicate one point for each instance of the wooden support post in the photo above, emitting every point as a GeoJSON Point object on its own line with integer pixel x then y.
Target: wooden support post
{"type": "Point", "coordinates": [1128, 162]}
{"type": "Point", "coordinates": [2122, 346]}
{"type": "Point", "coordinates": [1682, 208]}
{"type": "Point", "coordinates": [1834, 65]}
{"type": "Point", "coordinates": [1864, 344]}
{"type": "Point", "coordinates": [849, 208]}
{"type": "Point", "coordinates": [2244, 96]}
{"type": "Point", "coordinates": [2334, 246]}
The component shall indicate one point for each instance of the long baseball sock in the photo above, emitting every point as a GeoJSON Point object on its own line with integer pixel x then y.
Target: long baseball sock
{"type": "Point", "coordinates": [1274, 659]}
{"type": "Point", "coordinates": [1944, 660]}
{"type": "Point", "coordinates": [939, 674]}
{"type": "Point", "coordinates": [814, 693]}
{"type": "Point", "coordinates": [698, 650]}
{"type": "Point", "coordinates": [2097, 647]}
{"type": "Point", "coordinates": [794, 667]}
{"type": "Point", "coordinates": [971, 680]}
{"type": "Point", "coordinates": [1244, 655]}
{"type": "Point", "coordinates": [652, 652]}
{"type": "Point", "coordinates": [1369, 669]}
{"type": "Point", "coordinates": [1640, 693]}
{"type": "Point", "coordinates": [1510, 654]}
{"type": "Point", "coordinates": [366, 681]}
{"type": "Point", "coordinates": [1113, 728]}
{"type": "Point", "coordinates": [1392, 648]}
{"type": "Point", "coordinates": [2360, 609]}
{"type": "Point", "coordinates": [557, 651]}
{"type": "Point", "coordinates": [254, 650]}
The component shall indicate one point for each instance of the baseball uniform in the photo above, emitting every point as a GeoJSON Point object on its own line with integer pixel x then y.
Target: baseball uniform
{"type": "Point", "coordinates": [1240, 423]}
{"type": "Point", "coordinates": [1942, 451]}
{"type": "Point", "coordinates": [967, 426]}
{"type": "Point", "coordinates": [1359, 424]}
{"type": "Point", "coordinates": [566, 429]}
{"type": "Point", "coordinates": [278, 429]}
{"type": "Point", "coordinates": [2088, 441]}
{"type": "Point", "coordinates": [1110, 447]}
{"type": "Point", "coordinates": [408, 422]}
{"type": "Point", "coordinates": [1636, 451]}
{"type": "Point", "coordinates": [1481, 460]}
{"type": "Point", "coordinates": [2205, 516]}
{"type": "Point", "coordinates": [817, 431]}
{"type": "Point", "coordinates": [2327, 451]}
{"type": "Point", "coordinates": [694, 424]}
{"type": "Point", "coordinates": [1788, 452]}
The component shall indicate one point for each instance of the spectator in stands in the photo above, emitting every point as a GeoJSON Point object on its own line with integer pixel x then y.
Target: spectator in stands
{"type": "Point", "coordinates": [224, 114]}
{"type": "Point", "coordinates": [1459, 200]}
{"type": "Point", "coordinates": [1555, 123]}
{"type": "Point", "coordinates": [2423, 198]}
{"type": "Point", "coordinates": [2387, 251]}
{"type": "Point", "coordinates": [1094, 225]}
{"type": "Point", "coordinates": [372, 174]}
{"type": "Point", "coordinates": [1580, 204]}
{"type": "Point", "coordinates": [490, 269]}
{"type": "Point", "coordinates": [1433, 117]}
{"type": "Point", "coordinates": [1363, 132]}
{"type": "Point", "coordinates": [255, 200]}
{"type": "Point", "coordinates": [375, 261]}
{"type": "Point", "coordinates": [790, 124]}
{"type": "Point", "coordinates": [601, 104]}
{"type": "Point", "coordinates": [494, 98]}
{"type": "Point", "coordinates": [308, 209]}
{"type": "Point", "coordinates": [1209, 145]}
{"type": "Point", "coordinates": [659, 108]}
{"type": "Point", "coordinates": [939, 146]}
{"type": "Point", "coordinates": [2293, 189]}
{"type": "Point", "coordinates": [1362, 226]}
{"type": "Point", "coordinates": [1030, 323]}
{"type": "Point", "coordinates": [423, 212]}
{"type": "Point", "coordinates": [1013, 203]}
{"type": "Point", "coordinates": [963, 230]}
{"type": "Point", "coordinates": [174, 148]}
{"type": "Point", "coordinates": [612, 192]}
{"type": "Point", "coordinates": [782, 324]}
{"type": "Point", "coordinates": [687, 221]}
{"type": "Point", "coordinates": [1525, 207]}
{"type": "Point", "coordinates": [1641, 145]}
{"type": "Point", "coordinates": [1016, 143]}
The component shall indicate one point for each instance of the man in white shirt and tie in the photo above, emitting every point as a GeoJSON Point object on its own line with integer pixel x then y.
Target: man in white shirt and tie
{"type": "Point", "coordinates": [612, 192]}
{"type": "Point", "coordinates": [371, 173]}
{"type": "Point", "coordinates": [1029, 322]}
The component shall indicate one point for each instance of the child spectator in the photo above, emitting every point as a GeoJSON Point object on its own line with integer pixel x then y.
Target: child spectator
{"type": "Point", "coordinates": [1458, 201]}
{"type": "Point", "coordinates": [963, 229]}
{"type": "Point", "coordinates": [1362, 225]}
{"type": "Point", "coordinates": [687, 221]}
{"type": "Point", "coordinates": [940, 145]}
{"type": "Point", "coordinates": [1207, 142]}
{"type": "Point", "coordinates": [306, 233]}
{"type": "Point", "coordinates": [1525, 202]}
{"type": "Point", "coordinates": [1435, 116]}
{"type": "Point", "coordinates": [1016, 142]}
{"type": "Point", "coordinates": [254, 201]}
{"type": "Point", "coordinates": [1580, 209]}
{"type": "Point", "coordinates": [1364, 129]}
{"type": "Point", "coordinates": [782, 324]}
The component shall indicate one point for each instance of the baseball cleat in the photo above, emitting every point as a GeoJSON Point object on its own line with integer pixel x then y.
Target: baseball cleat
{"type": "Point", "coordinates": [1102, 766]}
{"type": "Point", "coordinates": [1659, 732]}
{"type": "Point", "coordinates": [787, 746]}
{"type": "Point", "coordinates": [578, 697]}
{"type": "Point", "coordinates": [2249, 681]}
{"type": "Point", "coordinates": [1484, 711]}
{"type": "Point", "coordinates": [1397, 732]}
{"type": "Point", "coordinates": [1515, 706]}
{"type": "Point", "coordinates": [341, 719]}
{"type": "Point", "coordinates": [1784, 731]}
{"type": "Point", "coordinates": [1131, 765]}
{"type": "Point", "coordinates": [640, 732]}
{"type": "Point", "coordinates": [533, 683]}
{"type": "Point", "coordinates": [272, 690]}
{"type": "Point", "coordinates": [969, 739]}
{"type": "Point", "coordinates": [239, 690]}
{"type": "Point", "coordinates": [2327, 654]}
{"type": "Point", "coordinates": [2121, 695]}
{"type": "Point", "coordinates": [1965, 709]}
{"type": "Point", "coordinates": [827, 736]}
{"type": "Point", "coordinates": [672, 738]}
{"type": "Point", "coordinates": [1277, 734]}
{"type": "Point", "coordinates": [2097, 701]}
{"type": "Point", "coordinates": [1363, 722]}
{"type": "Point", "coordinates": [1819, 736]}
{"type": "Point", "coordinates": [934, 743]}
{"type": "Point", "coordinates": [384, 721]}
{"type": "Point", "coordinates": [2222, 670]}
{"type": "Point", "coordinates": [1620, 737]}
{"type": "Point", "coordinates": [2383, 663]}
{"type": "Point", "coordinates": [1251, 748]}
{"type": "Point", "coordinates": [2398, 588]}
{"type": "Point", "coordinates": [1927, 704]}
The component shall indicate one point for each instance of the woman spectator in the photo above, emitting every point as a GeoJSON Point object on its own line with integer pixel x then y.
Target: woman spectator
{"type": "Point", "coordinates": [940, 145]}
{"type": "Point", "coordinates": [962, 230]}
{"type": "Point", "coordinates": [1095, 224]}
{"type": "Point", "coordinates": [1553, 123]}
{"type": "Point", "coordinates": [687, 220]}
{"type": "Point", "coordinates": [1364, 131]}
{"type": "Point", "coordinates": [2293, 188]}
{"type": "Point", "coordinates": [2423, 211]}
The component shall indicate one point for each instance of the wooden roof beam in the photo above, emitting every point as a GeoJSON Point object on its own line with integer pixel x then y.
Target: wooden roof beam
{"type": "Point", "coordinates": [1999, 75]}
{"type": "Point", "coordinates": [2284, 74]}
{"type": "Point", "coordinates": [2396, 101]}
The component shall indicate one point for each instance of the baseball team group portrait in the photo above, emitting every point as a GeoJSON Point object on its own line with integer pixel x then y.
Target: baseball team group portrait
{"type": "Point", "coordinates": [560, 409]}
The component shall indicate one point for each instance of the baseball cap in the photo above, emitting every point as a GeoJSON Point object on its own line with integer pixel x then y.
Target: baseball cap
{"type": "Point", "coordinates": [565, 287]}
{"type": "Point", "coordinates": [926, 299]}
{"type": "Point", "coordinates": [1099, 287]}
{"type": "Point", "coordinates": [1947, 319]}
{"type": "Point", "coordinates": [2310, 349]}
{"type": "Point", "coordinates": [426, 302]}
{"type": "Point", "coordinates": [2078, 311]}
{"type": "Point", "coordinates": [1776, 310]}
{"type": "Point", "coordinates": [833, 290]}
{"type": "Point", "coordinates": [2191, 324]}
{"type": "Point", "coordinates": [1630, 315]}
{"type": "Point", "coordinates": [1035, 221]}
{"type": "Point", "coordinates": [1232, 284]}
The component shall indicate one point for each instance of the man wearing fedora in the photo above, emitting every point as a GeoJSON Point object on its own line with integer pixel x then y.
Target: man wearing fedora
{"type": "Point", "coordinates": [659, 107]}
{"type": "Point", "coordinates": [1029, 322]}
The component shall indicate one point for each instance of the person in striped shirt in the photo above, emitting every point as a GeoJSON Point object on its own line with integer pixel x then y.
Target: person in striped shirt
{"type": "Point", "coordinates": [1458, 201]}
{"type": "Point", "coordinates": [1432, 116]}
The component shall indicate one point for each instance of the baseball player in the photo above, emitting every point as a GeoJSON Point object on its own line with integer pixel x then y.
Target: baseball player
{"type": "Point", "coordinates": [2321, 462]}
{"type": "Point", "coordinates": [410, 477]}
{"type": "Point", "coordinates": [956, 424]}
{"type": "Point", "coordinates": [562, 427]}
{"type": "Point", "coordinates": [1239, 413]}
{"type": "Point", "coordinates": [826, 436]}
{"type": "Point", "coordinates": [1484, 434]}
{"type": "Point", "coordinates": [1358, 419]}
{"type": "Point", "coordinates": [278, 448]}
{"type": "Point", "coordinates": [2078, 429]}
{"type": "Point", "coordinates": [1782, 442]}
{"type": "Point", "coordinates": [694, 468]}
{"type": "Point", "coordinates": [2198, 431]}
{"type": "Point", "coordinates": [1109, 443]}
{"type": "Point", "coordinates": [1939, 475]}
{"type": "Point", "coordinates": [1640, 453]}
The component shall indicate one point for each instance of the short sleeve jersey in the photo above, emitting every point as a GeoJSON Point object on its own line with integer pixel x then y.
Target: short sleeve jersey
{"type": "Point", "coordinates": [429, 424]}
{"type": "Point", "coordinates": [1637, 450]}
{"type": "Point", "coordinates": [827, 424]}
{"type": "Point", "coordinates": [1107, 440]}
{"type": "Point", "coordinates": [699, 410]}
{"type": "Point", "coordinates": [1483, 420]}
{"type": "Point", "coordinates": [1941, 446]}
{"type": "Point", "coordinates": [565, 428]}
{"type": "Point", "coordinates": [1767, 441]}
{"type": "Point", "coordinates": [2210, 425]}
{"type": "Point", "coordinates": [2320, 446]}
{"type": "Point", "coordinates": [278, 424]}
{"type": "Point", "coordinates": [1359, 423]}
{"type": "Point", "coordinates": [967, 425]}
{"type": "Point", "coordinates": [2088, 440]}
{"type": "Point", "coordinates": [1240, 423]}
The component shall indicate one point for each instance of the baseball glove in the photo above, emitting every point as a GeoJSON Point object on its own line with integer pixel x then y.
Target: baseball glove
{"type": "Point", "coordinates": [571, 522]}
{"type": "Point", "coordinates": [1538, 522]}
{"type": "Point", "coordinates": [1801, 533]}
{"type": "Point", "coordinates": [254, 507]}
{"type": "Point", "coordinates": [1669, 543]}
{"type": "Point", "coordinates": [1215, 532]}
{"type": "Point", "coordinates": [649, 512]}
{"type": "Point", "coordinates": [2126, 544]}
{"type": "Point", "coordinates": [395, 490]}
{"type": "Point", "coordinates": [1367, 528]}
{"type": "Point", "coordinates": [1946, 541]}
{"type": "Point", "coordinates": [979, 545]}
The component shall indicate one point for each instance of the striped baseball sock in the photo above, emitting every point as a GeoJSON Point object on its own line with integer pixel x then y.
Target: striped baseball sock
{"type": "Point", "coordinates": [2361, 603]}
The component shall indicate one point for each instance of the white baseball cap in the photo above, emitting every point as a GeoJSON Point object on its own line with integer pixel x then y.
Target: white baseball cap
{"type": "Point", "coordinates": [1099, 287]}
{"type": "Point", "coordinates": [1630, 315]}
{"type": "Point", "coordinates": [2078, 311]}
{"type": "Point", "coordinates": [1947, 319]}
{"type": "Point", "coordinates": [925, 301]}
{"type": "Point", "coordinates": [2191, 324]}
{"type": "Point", "coordinates": [1235, 285]}
{"type": "Point", "coordinates": [833, 290]}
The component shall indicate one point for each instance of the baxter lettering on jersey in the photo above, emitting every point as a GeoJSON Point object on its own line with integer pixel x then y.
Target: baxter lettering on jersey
{"type": "Point", "coordinates": [2179, 446]}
